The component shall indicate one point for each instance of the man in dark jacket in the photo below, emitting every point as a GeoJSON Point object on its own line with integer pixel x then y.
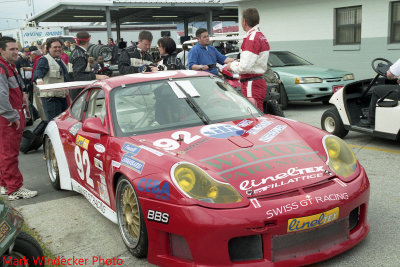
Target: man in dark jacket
{"type": "Point", "coordinates": [134, 58]}
{"type": "Point", "coordinates": [101, 68]}
{"type": "Point", "coordinates": [79, 65]}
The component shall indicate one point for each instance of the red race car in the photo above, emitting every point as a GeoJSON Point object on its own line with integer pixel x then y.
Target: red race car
{"type": "Point", "coordinates": [194, 174]}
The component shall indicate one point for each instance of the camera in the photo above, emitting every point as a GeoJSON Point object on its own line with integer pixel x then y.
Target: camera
{"type": "Point", "coordinates": [147, 68]}
{"type": "Point", "coordinates": [211, 66]}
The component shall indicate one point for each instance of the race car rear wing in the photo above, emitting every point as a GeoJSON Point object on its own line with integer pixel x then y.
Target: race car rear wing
{"type": "Point", "coordinates": [62, 86]}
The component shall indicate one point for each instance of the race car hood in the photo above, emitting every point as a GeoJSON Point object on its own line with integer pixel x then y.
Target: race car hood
{"type": "Point", "coordinates": [256, 156]}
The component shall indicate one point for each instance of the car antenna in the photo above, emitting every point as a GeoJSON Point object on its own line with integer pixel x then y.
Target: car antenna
{"type": "Point", "coordinates": [251, 113]}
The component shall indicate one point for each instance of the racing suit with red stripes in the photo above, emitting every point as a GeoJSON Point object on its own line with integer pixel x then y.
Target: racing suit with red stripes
{"type": "Point", "coordinates": [11, 102]}
{"type": "Point", "coordinates": [252, 65]}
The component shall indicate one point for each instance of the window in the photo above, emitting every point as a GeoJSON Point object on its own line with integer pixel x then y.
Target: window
{"type": "Point", "coordinates": [96, 105]}
{"type": "Point", "coordinates": [78, 105]}
{"type": "Point", "coordinates": [348, 25]}
{"type": "Point", "coordinates": [395, 22]}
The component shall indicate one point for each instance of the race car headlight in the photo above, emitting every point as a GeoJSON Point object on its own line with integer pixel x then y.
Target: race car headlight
{"type": "Point", "coordinates": [196, 183]}
{"type": "Point", "coordinates": [341, 158]}
{"type": "Point", "coordinates": [348, 77]}
{"type": "Point", "coordinates": [307, 80]}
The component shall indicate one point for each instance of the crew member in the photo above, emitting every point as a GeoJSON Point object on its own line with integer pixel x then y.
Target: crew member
{"type": "Point", "coordinates": [253, 60]}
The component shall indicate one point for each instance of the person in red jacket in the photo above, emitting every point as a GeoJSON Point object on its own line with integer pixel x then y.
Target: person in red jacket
{"type": "Point", "coordinates": [12, 122]}
{"type": "Point", "coordinates": [253, 60]}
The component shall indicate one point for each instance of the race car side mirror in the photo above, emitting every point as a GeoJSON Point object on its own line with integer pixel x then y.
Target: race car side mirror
{"type": "Point", "coordinates": [94, 125]}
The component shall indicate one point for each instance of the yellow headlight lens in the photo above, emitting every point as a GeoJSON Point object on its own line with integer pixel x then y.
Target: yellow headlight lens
{"type": "Point", "coordinates": [197, 184]}
{"type": "Point", "coordinates": [341, 158]}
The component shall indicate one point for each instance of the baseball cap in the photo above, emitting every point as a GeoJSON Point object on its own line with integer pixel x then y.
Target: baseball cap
{"type": "Point", "coordinates": [25, 49]}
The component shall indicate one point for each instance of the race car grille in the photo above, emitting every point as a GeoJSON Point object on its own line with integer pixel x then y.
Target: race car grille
{"type": "Point", "coordinates": [246, 248]}
{"type": "Point", "coordinates": [308, 242]}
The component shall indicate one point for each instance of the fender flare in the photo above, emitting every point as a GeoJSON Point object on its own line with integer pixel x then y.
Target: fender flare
{"type": "Point", "coordinates": [65, 176]}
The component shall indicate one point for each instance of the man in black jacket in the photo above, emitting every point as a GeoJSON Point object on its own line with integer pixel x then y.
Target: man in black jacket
{"type": "Point", "coordinates": [78, 64]}
{"type": "Point", "coordinates": [134, 58]}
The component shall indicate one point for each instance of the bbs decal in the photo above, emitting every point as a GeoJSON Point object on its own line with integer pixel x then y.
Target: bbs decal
{"type": "Point", "coordinates": [158, 216]}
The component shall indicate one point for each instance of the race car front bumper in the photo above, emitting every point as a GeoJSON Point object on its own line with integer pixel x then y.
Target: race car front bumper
{"type": "Point", "coordinates": [199, 236]}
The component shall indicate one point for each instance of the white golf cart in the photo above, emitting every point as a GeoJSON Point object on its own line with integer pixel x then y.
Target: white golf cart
{"type": "Point", "coordinates": [352, 102]}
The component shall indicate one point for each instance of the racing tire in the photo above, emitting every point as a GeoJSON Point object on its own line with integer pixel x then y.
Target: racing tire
{"type": "Point", "coordinates": [51, 163]}
{"type": "Point", "coordinates": [273, 108]}
{"type": "Point", "coordinates": [130, 219]}
{"type": "Point", "coordinates": [25, 247]}
{"type": "Point", "coordinates": [332, 123]}
{"type": "Point", "coordinates": [283, 98]}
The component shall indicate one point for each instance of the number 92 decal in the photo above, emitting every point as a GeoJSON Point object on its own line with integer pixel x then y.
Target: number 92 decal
{"type": "Point", "coordinates": [172, 144]}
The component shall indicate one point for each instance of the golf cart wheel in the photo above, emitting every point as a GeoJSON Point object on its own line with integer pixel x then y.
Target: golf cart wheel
{"type": "Point", "coordinates": [51, 163]}
{"type": "Point", "coordinates": [332, 123]}
{"type": "Point", "coordinates": [130, 219]}
{"type": "Point", "coordinates": [25, 250]}
{"type": "Point", "coordinates": [283, 98]}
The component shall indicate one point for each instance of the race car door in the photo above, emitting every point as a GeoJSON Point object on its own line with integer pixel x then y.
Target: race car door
{"type": "Point", "coordinates": [89, 152]}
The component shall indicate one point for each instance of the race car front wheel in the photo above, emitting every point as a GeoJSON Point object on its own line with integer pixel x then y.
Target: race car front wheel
{"type": "Point", "coordinates": [51, 163]}
{"type": "Point", "coordinates": [332, 123]}
{"type": "Point", "coordinates": [130, 219]}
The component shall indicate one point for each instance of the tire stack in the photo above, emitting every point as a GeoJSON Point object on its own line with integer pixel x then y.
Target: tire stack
{"type": "Point", "coordinates": [100, 50]}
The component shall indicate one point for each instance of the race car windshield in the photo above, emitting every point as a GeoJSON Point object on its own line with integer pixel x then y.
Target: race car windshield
{"type": "Point", "coordinates": [162, 105]}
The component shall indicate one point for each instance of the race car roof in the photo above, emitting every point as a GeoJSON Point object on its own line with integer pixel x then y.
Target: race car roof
{"type": "Point", "coordinates": [125, 79]}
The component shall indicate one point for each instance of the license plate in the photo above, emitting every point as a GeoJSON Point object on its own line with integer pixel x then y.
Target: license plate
{"type": "Point", "coordinates": [303, 223]}
{"type": "Point", "coordinates": [337, 87]}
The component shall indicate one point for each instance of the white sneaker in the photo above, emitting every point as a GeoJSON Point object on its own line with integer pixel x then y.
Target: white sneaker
{"type": "Point", "coordinates": [22, 193]}
{"type": "Point", "coordinates": [3, 190]}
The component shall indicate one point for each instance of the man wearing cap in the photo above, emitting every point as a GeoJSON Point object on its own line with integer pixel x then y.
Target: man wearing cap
{"type": "Point", "coordinates": [134, 58]}
{"type": "Point", "coordinates": [12, 122]}
{"type": "Point", "coordinates": [78, 64]}
{"type": "Point", "coordinates": [253, 60]}
{"type": "Point", "coordinates": [51, 69]}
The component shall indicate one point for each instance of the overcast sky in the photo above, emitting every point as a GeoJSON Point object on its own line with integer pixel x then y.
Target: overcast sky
{"type": "Point", "coordinates": [13, 12]}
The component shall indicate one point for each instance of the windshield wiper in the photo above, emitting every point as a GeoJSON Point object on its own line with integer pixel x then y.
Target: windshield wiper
{"type": "Point", "coordinates": [193, 105]}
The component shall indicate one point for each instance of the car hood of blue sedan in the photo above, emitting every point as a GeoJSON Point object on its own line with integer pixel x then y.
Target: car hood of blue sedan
{"type": "Point", "coordinates": [310, 71]}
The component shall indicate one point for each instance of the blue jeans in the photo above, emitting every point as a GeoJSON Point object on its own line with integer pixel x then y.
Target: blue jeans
{"type": "Point", "coordinates": [54, 106]}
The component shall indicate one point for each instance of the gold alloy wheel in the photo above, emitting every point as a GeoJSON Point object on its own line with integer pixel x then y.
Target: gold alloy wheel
{"type": "Point", "coordinates": [51, 161]}
{"type": "Point", "coordinates": [130, 212]}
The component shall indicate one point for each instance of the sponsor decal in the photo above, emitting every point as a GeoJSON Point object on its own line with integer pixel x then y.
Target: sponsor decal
{"type": "Point", "coordinates": [160, 190]}
{"type": "Point", "coordinates": [248, 161]}
{"type": "Point", "coordinates": [308, 200]}
{"type": "Point", "coordinates": [132, 149]}
{"type": "Point", "coordinates": [155, 152]}
{"type": "Point", "coordinates": [244, 123]}
{"type": "Point", "coordinates": [272, 133]}
{"type": "Point", "coordinates": [158, 216]}
{"type": "Point", "coordinates": [99, 148]}
{"type": "Point", "coordinates": [97, 203]}
{"type": "Point", "coordinates": [129, 161]}
{"type": "Point", "coordinates": [221, 131]}
{"type": "Point", "coordinates": [255, 203]}
{"type": "Point", "coordinates": [98, 164]}
{"type": "Point", "coordinates": [259, 127]}
{"type": "Point", "coordinates": [294, 173]}
{"type": "Point", "coordinates": [103, 192]}
{"type": "Point", "coordinates": [75, 128]}
{"type": "Point", "coordinates": [115, 164]}
{"type": "Point", "coordinates": [303, 223]}
{"type": "Point", "coordinates": [82, 142]}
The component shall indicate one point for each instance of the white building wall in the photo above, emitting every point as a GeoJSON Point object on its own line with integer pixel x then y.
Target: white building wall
{"type": "Point", "coordinates": [306, 27]}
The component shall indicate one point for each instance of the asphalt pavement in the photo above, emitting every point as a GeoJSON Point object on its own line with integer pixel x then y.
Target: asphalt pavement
{"type": "Point", "coordinates": [73, 229]}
